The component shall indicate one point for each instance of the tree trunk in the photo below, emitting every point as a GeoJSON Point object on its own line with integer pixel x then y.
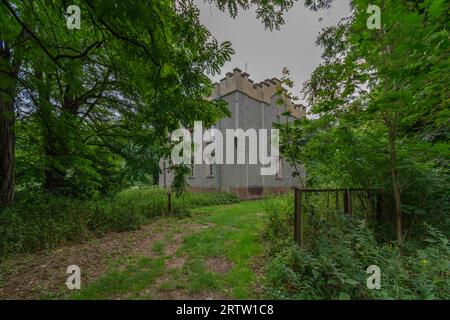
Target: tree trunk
{"type": "Point", "coordinates": [7, 152]}
{"type": "Point", "coordinates": [398, 209]}
{"type": "Point", "coordinates": [392, 125]}
{"type": "Point", "coordinates": [54, 176]}
{"type": "Point", "coordinates": [7, 120]}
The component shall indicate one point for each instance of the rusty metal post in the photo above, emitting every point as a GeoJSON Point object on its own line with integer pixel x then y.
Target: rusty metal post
{"type": "Point", "coordinates": [347, 202]}
{"type": "Point", "coordinates": [298, 218]}
{"type": "Point", "coordinates": [169, 202]}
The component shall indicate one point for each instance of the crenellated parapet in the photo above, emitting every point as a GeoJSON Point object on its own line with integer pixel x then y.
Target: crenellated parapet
{"type": "Point", "coordinates": [263, 91]}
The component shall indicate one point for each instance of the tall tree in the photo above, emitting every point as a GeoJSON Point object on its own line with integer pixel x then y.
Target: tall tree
{"type": "Point", "coordinates": [395, 76]}
{"type": "Point", "coordinates": [130, 75]}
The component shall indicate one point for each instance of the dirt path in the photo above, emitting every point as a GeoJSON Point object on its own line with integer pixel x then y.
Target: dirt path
{"type": "Point", "coordinates": [212, 255]}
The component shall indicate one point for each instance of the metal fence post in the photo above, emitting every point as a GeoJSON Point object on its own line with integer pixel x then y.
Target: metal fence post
{"type": "Point", "coordinates": [169, 202]}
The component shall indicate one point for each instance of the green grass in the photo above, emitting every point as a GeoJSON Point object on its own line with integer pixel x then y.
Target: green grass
{"type": "Point", "coordinates": [233, 237]}
{"type": "Point", "coordinates": [41, 221]}
{"type": "Point", "coordinates": [245, 251]}
{"type": "Point", "coordinates": [126, 283]}
{"type": "Point", "coordinates": [158, 248]}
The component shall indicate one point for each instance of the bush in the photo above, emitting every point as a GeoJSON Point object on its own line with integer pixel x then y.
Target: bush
{"type": "Point", "coordinates": [333, 262]}
{"type": "Point", "coordinates": [41, 221]}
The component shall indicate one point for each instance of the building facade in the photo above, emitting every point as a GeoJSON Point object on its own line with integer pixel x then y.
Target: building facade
{"type": "Point", "coordinates": [252, 106]}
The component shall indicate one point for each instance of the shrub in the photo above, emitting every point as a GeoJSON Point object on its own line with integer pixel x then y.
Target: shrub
{"type": "Point", "coordinates": [41, 221]}
{"type": "Point", "coordinates": [333, 262]}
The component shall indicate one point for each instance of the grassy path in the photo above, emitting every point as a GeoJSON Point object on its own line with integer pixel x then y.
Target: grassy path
{"type": "Point", "coordinates": [214, 254]}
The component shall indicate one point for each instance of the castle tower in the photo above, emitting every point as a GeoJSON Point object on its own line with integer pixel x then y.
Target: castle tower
{"type": "Point", "coordinates": [252, 106]}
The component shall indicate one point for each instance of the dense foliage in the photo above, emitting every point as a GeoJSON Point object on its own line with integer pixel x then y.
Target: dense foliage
{"type": "Point", "coordinates": [41, 221]}
{"type": "Point", "coordinates": [380, 102]}
{"type": "Point", "coordinates": [86, 113]}
{"type": "Point", "coordinates": [94, 106]}
{"type": "Point", "coordinates": [89, 110]}
{"type": "Point", "coordinates": [336, 253]}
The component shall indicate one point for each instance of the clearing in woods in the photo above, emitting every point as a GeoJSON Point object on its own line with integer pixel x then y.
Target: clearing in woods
{"type": "Point", "coordinates": [214, 254]}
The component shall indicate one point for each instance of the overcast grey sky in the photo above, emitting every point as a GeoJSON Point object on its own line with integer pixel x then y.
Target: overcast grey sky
{"type": "Point", "coordinates": [266, 52]}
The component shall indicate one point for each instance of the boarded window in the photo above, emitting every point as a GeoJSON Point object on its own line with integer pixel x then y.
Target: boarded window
{"type": "Point", "coordinates": [279, 174]}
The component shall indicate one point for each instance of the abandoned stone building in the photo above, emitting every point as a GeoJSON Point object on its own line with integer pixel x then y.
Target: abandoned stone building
{"type": "Point", "coordinates": [252, 105]}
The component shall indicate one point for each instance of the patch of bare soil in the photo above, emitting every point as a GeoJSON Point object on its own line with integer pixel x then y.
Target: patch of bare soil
{"type": "Point", "coordinates": [218, 265]}
{"type": "Point", "coordinates": [176, 262]}
{"type": "Point", "coordinates": [30, 276]}
{"type": "Point", "coordinates": [257, 265]}
{"type": "Point", "coordinates": [171, 248]}
{"type": "Point", "coordinates": [183, 294]}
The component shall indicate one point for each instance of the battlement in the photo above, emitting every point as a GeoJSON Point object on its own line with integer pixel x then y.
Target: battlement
{"type": "Point", "coordinates": [262, 91]}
